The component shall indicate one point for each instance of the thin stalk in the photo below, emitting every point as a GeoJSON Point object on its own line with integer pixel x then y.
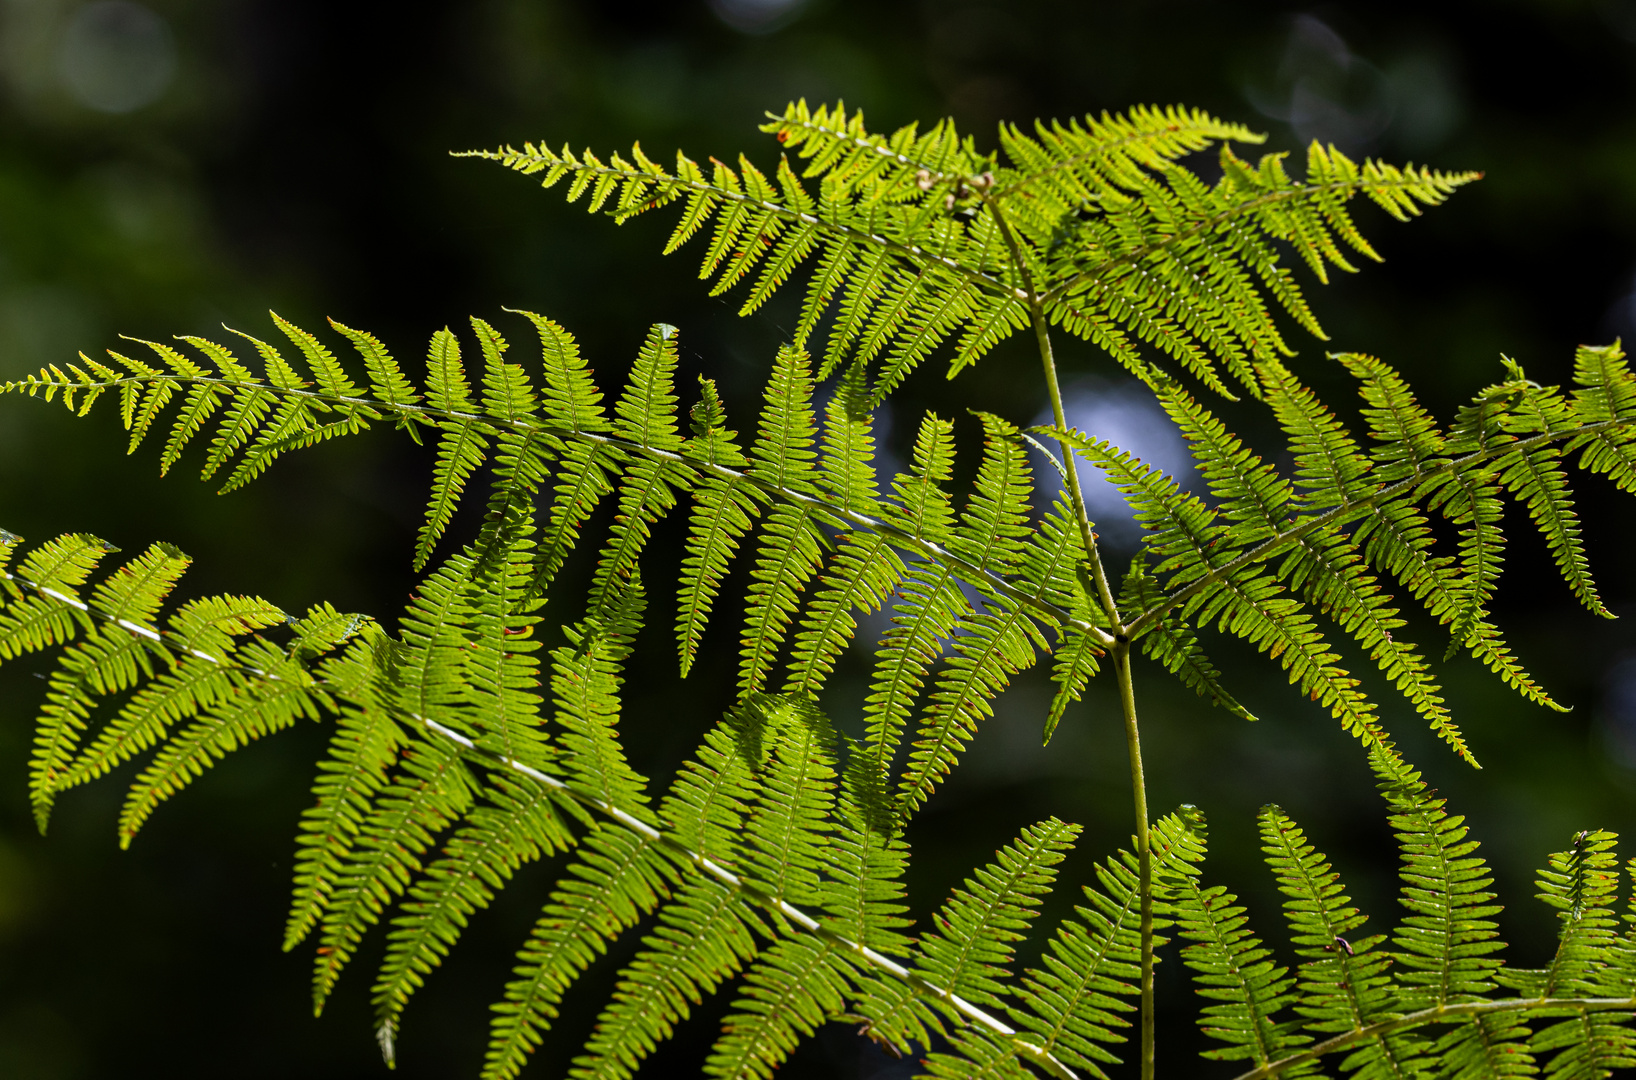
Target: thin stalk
{"type": "Point", "coordinates": [1144, 850]}
{"type": "Point", "coordinates": [1122, 641]}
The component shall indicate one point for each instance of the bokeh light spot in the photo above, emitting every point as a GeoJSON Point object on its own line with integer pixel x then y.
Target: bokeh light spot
{"type": "Point", "coordinates": [117, 56]}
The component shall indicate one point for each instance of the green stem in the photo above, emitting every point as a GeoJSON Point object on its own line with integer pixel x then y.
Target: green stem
{"type": "Point", "coordinates": [1121, 646]}
{"type": "Point", "coordinates": [1144, 850]}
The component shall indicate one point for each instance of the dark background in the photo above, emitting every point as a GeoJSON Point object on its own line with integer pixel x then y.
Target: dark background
{"type": "Point", "coordinates": [168, 168]}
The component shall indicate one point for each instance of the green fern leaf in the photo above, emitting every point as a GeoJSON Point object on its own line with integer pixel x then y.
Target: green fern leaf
{"type": "Point", "coordinates": [1447, 939]}
{"type": "Point", "coordinates": [619, 878]}
{"type": "Point", "coordinates": [110, 659]}
{"type": "Point", "coordinates": [520, 827]}
{"type": "Point", "coordinates": [788, 553]}
{"type": "Point", "coordinates": [432, 789]}
{"type": "Point", "coordinates": [1344, 985]}
{"type": "Point", "coordinates": [722, 514]}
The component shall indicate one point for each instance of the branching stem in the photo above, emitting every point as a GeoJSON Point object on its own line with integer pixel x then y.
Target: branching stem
{"type": "Point", "coordinates": [1122, 641]}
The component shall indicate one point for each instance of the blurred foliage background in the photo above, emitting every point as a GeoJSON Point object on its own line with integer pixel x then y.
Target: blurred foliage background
{"type": "Point", "coordinates": [169, 166]}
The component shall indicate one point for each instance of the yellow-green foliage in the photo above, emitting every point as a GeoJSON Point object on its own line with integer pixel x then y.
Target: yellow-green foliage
{"type": "Point", "coordinates": [471, 740]}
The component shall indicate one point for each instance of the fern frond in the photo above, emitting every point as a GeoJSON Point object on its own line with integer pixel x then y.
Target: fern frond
{"type": "Point", "coordinates": [1344, 985]}
{"type": "Point", "coordinates": [1252, 605]}
{"type": "Point", "coordinates": [973, 937]}
{"type": "Point", "coordinates": [432, 788]}
{"type": "Point", "coordinates": [520, 826]}
{"type": "Point", "coordinates": [283, 692]}
{"type": "Point", "coordinates": [462, 447]}
{"type": "Point", "coordinates": [362, 751]}
{"type": "Point", "coordinates": [722, 514]}
{"type": "Point", "coordinates": [1094, 960]}
{"type": "Point", "coordinates": [109, 659]}
{"type": "Point", "coordinates": [788, 553]}
{"type": "Point", "coordinates": [617, 879]}
{"type": "Point", "coordinates": [1175, 645]}
{"type": "Point", "coordinates": [998, 642]}
{"type": "Point", "coordinates": [1447, 939]}
{"type": "Point", "coordinates": [704, 936]}
{"type": "Point", "coordinates": [645, 414]}
{"type": "Point", "coordinates": [1231, 966]}
{"type": "Point", "coordinates": [1536, 477]}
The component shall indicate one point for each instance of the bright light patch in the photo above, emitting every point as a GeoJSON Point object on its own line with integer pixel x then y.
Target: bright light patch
{"type": "Point", "coordinates": [117, 56]}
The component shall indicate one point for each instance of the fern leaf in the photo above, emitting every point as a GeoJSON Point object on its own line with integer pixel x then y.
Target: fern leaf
{"type": "Point", "coordinates": [1093, 961]}
{"type": "Point", "coordinates": [789, 827]}
{"type": "Point", "coordinates": [788, 552]}
{"type": "Point", "coordinates": [1447, 939]}
{"type": "Point", "coordinates": [645, 414]}
{"type": "Point", "coordinates": [431, 789]}
{"type": "Point", "coordinates": [109, 660]}
{"type": "Point", "coordinates": [930, 603]}
{"type": "Point", "coordinates": [201, 632]}
{"type": "Point", "coordinates": [974, 933]}
{"type": "Point", "coordinates": [618, 878]}
{"type": "Point", "coordinates": [793, 988]}
{"type": "Point", "coordinates": [1250, 604]}
{"type": "Point", "coordinates": [521, 826]}
{"type": "Point", "coordinates": [1175, 645]}
{"type": "Point", "coordinates": [704, 936]}
{"type": "Point", "coordinates": [585, 683]}
{"type": "Point", "coordinates": [365, 746]}
{"type": "Point", "coordinates": [1538, 478]}
{"type": "Point", "coordinates": [1231, 966]}
{"type": "Point", "coordinates": [722, 514]}
{"type": "Point", "coordinates": [254, 711]}
{"type": "Point", "coordinates": [1343, 984]}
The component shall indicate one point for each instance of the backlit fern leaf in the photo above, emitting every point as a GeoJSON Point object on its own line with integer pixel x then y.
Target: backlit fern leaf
{"type": "Point", "coordinates": [1446, 942]}
{"type": "Point", "coordinates": [929, 601]}
{"type": "Point", "coordinates": [1118, 237]}
{"type": "Point", "coordinates": [644, 414]}
{"type": "Point", "coordinates": [107, 660]}
{"type": "Point", "coordinates": [788, 552]}
{"type": "Point", "coordinates": [997, 642]}
{"type": "Point", "coordinates": [1344, 983]}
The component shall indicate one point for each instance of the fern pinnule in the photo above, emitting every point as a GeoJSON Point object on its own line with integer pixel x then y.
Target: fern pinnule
{"type": "Point", "coordinates": [500, 668]}
{"type": "Point", "coordinates": [974, 935]}
{"type": "Point", "coordinates": [1537, 478]}
{"type": "Point", "coordinates": [788, 552]}
{"type": "Point", "coordinates": [1231, 966]}
{"type": "Point", "coordinates": [361, 753]}
{"type": "Point", "coordinates": [462, 447]}
{"type": "Point", "coordinates": [196, 674]}
{"type": "Point", "coordinates": [586, 679]}
{"type": "Point", "coordinates": [1174, 644]}
{"type": "Point", "coordinates": [107, 660]}
{"type": "Point", "coordinates": [1053, 565]}
{"type": "Point", "coordinates": [519, 825]}
{"type": "Point", "coordinates": [1249, 603]}
{"type": "Point", "coordinates": [1000, 641]}
{"type": "Point", "coordinates": [792, 989]}
{"type": "Point", "coordinates": [1446, 941]}
{"type": "Point", "coordinates": [282, 692]}
{"type": "Point", "coordinates": [1344, 984]}
{"type": "Point", "coordinates": [617, 878]}
{"type": "Point", "coordinates": [723, 513]}
{"type": "Point", "coordinates": [1074, 1001]}
{"type": "Point", "coordinates": [929, 603]}
{"type": "Point", "coordinates": [705, 936]}
{"type": "Point", "coordinates": [645, 414]}
{"type": "Point", "coordinates": [431, 789]}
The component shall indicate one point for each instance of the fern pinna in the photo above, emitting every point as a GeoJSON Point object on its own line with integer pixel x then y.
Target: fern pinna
{"type": "Point", "coordinates": [474, 739]}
